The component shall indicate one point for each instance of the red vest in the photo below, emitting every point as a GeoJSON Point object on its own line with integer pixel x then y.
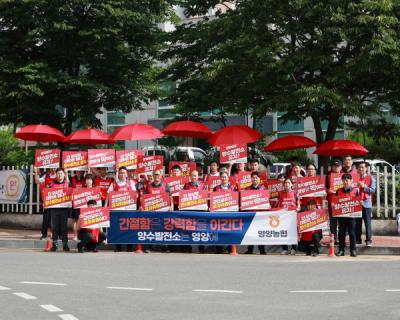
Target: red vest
{"type": "Point", "coordinates": [104, 184]}
{"type": "Point", "coordinates": [77, 183]}
{"type": "Point", "coordinates": [189, 186]}
{"type": "Point", "coordinates": [287, 199]}
{"type": "Point", "coordinates": [367, 180]}
{"type": "Point", "coordinates": [152, 189]}
{"type": "Point", "coordinates": [230, 188]}
{"type": "Point", "coordinates": [353, 192]}
{"type": "Point", "coordinates": [125, 187]}
{"type": "Point", "coordinates": [59, 185]}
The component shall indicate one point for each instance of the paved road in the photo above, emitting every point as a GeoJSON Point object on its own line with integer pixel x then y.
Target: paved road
{"type": "Point", "coordinates": [111, 285]}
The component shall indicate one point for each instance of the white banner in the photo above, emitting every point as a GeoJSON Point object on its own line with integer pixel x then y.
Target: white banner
{"type": "Point", "coordinates": [272, 228]}
{"type": "Point", "coordinates": [13, 186]}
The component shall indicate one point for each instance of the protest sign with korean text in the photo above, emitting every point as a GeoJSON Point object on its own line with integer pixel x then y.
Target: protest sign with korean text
{"type": "Point", "coordinates": [47, 158]}
{"type": "Point", "coordinates": [100, 158]}
{"type": "Point", "coordinates": [233, 153]}
{"type": "Point", "coordinates": [94, 217]}
{"type": "Point", "coordinates": [335, 181]}
{"type": "Point", "coordinates": [75, 160]}
{"type": "Point", "coordinates": [176, 184]}
{"type": "Point", "coordinates": [346, 206]}
{"type": "Point", "coordinates": [127, 158]}
{"type": "Point", "coordinates": [57, 197]}
{"type": "Point", "coordinates": [81, 196]}
{"type": "Point", "coordinates": [274, 187]}
{"type": "Point", "coordinates": [224, 201]}
{"type": "Point", "coordinates": [122, 200]}
{"type": "Point", "coordinates": [148, 164]}
{"type": "Point", "coordinates": [243, 179]}
{"type": "Point", "coordinates": [312, 220]}
{"type": "Point", "coordinates": [193, 200]}
{"type": "Point", "coordinates": [186, 167]}
{"type": "Point", "coordinates": [254, 200]}
{"type": "Point", "coordinates": [310, 187]}
{"type": "Point", "coordinates": [156, 202]}
{"type": "Point", "coordinates": [212, 182]}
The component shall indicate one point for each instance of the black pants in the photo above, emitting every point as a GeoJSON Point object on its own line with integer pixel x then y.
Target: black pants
{"type": "Point", "coordinates": [311, 246]}
{"type": "Point", "coordinates": [250, 249]}
{"type": "Point", "coordinates": [59, 224]}
{"type": "Point", "coordinates": [333, 223]}
{"type": "Point", "coordinates": [347, 225]}
{"type": "Point", "coordinates": [87, 239]}
{"type": "Point", "coordinates": [46, 222]}
{"type": "Point", "coordinates": [366, 217]}
{"type": "Point", "coordinates": [293, 246]}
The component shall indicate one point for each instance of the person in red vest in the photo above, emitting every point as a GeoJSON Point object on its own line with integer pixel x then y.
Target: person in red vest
{"type": "Point", "coordinates": [311, 172]}
{"type": "Point", "coordinates": [225, 184]}
{"type": "Point", "coordinates": [256, 185]}
{"type": "Point", "coordinates": [288, 170]}
{"type": "Point", "coordinates": [77, 181]}
{"type": "Point", "coordinates": [157, 186]}
{"type": "Point", "coordinates": [288, 199]}
{"type": "Point", "coordinates": [347, 225]}
{"type": "Point", "coordinates": [90, 238]}
{"type": "Point", "coordinates": [103, 181]}
{"type": "Point", "coordinates": [367, 187]}
{"type": "Point", "coordinates": [43, 182]}
{"type": "Point", "coordinates": [309, 240]}
{"type": "Point", "coordinates": [59, 216]}
{"type": "Point", "coordinates": [336, 168]}
{"type": "Point", "coordinates": [348, 165]}
{"type": "Point", "coordinates": [213, 171]}
{"type": "Point", "coordinates": [296, 171]}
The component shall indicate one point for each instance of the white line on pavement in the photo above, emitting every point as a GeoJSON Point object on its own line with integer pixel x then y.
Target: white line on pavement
{"type": "Point", "coordinates": [50, 308]}
{"type": "Point", "coordinates": [220, 291]}
{"type": "Point", "coordinates": [24, 295]}
{"type": "Point", "coordinates": [319, 291]}
{"type": "Point", "coordinates": [128, 288]}
{"type": "Point", "coordinates": [392, 290]}
{"type": "Point", "coordinates": [4, 288]}
{"type": "Point", "coordinates": [67, 317]}
{"type": "Point", "coordinates": [43, 283]}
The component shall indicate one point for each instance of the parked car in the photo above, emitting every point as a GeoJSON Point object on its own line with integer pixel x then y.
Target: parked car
{"type": "Point", "coordinates": [377, 163]}
{"type": "Point", "coordinates": [278, 168]}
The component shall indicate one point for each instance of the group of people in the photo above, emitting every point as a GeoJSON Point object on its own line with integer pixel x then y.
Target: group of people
{"type": "Point", "coordinates": [354, 181]}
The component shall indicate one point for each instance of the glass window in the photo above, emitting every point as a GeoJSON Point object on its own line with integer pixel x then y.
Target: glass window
{"type": "Point", "coordinates": [167, 88]}
{"type": "Point", "coordinates": [115, 118]}
{"type": "Point", "coordinates": [166, 113]}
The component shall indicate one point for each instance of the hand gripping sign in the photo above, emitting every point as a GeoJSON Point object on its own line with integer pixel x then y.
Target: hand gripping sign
{"type": "Point", "coordinates": [75, 160]}
{"type": "Point", "coordinates": [233, 153]}
{"type": "Point", "coordinates": [346, 206]}
{"type": "Point", "coordinates": [100, 158]}
{"type": "Point", "coordinates": [224, 201]}
{"type": "Point", "coordinates": [49, 158]}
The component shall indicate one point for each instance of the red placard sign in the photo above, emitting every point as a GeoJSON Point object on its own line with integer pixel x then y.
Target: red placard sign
{"type": "Point", "coordinates": [186, 167]}
{"type": "Point", "coordinates": [274, 187]}
{"type": "Point", "coordinates": [312, 220]}
{"type": "Point", "coordinates": [212, 182]}
{"type": "Point", "coordinates": [243, 180]}
{"type": "Point", "coordinates": [224, 201]}
{"type": "Point", "coordinates": [254, 200]}
{"type": "Point", "coordinates": [193, 200]}
{"type": "Point", "coordinates": [98, 158]}
{"type": "Point", "coordinates": [176, 184]}
{"type": "Point", "coordinates": [122, 200]}
{"type": "Point", "coordinates": [81, 196]}
{"type": "Point", "coordinates": [75, 160]}
{"type": "Point", "coordinates": [233, 153]}
{"type": "Point", "coordinates": [156, 202]}
{"type": "Point", "coordinates": [94, 218]}
{"type": "Point", "coordinates": [56, 197]}
{"type": "Point", "coordinates": [47, 158]}
{"type": "Point", "coordinates": [346, 206]}
{"type": "Point", "coordinates": [311, 187]}
{"type": "Point", "coordinates": [147, 164]}
{"type": "Point", "coordinates": [128, 158]}
{"type": "Point", "coordinates": [335, 181]}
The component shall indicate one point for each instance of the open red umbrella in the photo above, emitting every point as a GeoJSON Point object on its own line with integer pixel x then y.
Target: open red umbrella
{"type": "Point", "coordinates": [239, 134]}
{"type": "Point", "coordinates": [89, 136]}
{"type": "Point", "coordinates": [137, 131]}
{"type": "Point", "coordinates": [187, 129]}
{"type": "Point", "coordinates": [340, 148]}
{"type": "Point", "coordinates": [40, 133]}
{"type": "Point", "coordinates": [290, 143]}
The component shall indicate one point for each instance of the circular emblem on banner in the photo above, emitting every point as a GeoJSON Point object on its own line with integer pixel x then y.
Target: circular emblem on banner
{"type": "Point", "coordinates": [12, 186]}
{"type": "Point", "coordinates": [274, 221]}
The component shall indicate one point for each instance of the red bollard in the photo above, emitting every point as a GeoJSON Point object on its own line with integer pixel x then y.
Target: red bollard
{"type": "Point", "coordinates": [233, 251]}
{"type": "Point", "coordinates": [49, 242]}
{"type": "Point", "coordinates": [139, 249]}
{"type": "Point", "coordinates": [331, 252]}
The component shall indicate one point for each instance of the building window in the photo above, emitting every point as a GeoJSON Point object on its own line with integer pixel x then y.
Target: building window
{"type": "Point", "coordinates": [289, 126]}
{"type": "Point", "coordinates": [115, 118]}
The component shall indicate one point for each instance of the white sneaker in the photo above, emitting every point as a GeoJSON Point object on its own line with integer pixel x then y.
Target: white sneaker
{"type": "Point", "coordinates": [284, 252]}
{"type": "Point", "coordinates": [292, 252]}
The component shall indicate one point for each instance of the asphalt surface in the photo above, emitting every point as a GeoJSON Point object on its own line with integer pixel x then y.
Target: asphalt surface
{"type": "Point", "coordinates": [108, 285]}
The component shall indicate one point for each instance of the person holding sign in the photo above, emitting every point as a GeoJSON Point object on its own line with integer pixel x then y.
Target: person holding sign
{"type": "Point", "coordinates": [309, 240]}
{"type": "Point", "coordinates": [157, 186]}
{"type": "Point", "coordinates": [289, 169]}
{"type": "Point", "coordinates": [214, 172]}
{"type": "Point", "coordinates": [77, 181]}
{"type": "Point", "coordinates": [346, 224]}
{"type": "Point", "coordinates": [122, 183]}
{"type": "Point", "coordinates": [288, 199]}
{"type": "Point", "coordinates": [333, 181]}
{"type": "Point", "coordinates": [296, 172]}
{"type": "Point", "coordinates": [225, 184]}
{"type": "Point", "coordinates": [90, 238]}
{"type": "Point", "coordinates": [59, 216]}
{"type": "Point", "coordinates": [256, 185]}
{"type": "Point", "coordinates": [103, 181]}
{"type": "Point", "coordinates": [311, 172]}
{"type": "Point", "coordinates": [367, 188]}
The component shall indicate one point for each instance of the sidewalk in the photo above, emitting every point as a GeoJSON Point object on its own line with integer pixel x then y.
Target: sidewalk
{"type": "Point", "coordinates": [30, 239]}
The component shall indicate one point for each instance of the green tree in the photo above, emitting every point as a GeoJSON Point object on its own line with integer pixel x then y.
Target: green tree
{"type": "Point", "coordinates": [308, 58]}
{"type": "Point", "coordinates": [62, 61]}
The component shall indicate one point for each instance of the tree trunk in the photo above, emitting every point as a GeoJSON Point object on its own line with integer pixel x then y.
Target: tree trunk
{"type": "Point", "coordinates": [319, 136]}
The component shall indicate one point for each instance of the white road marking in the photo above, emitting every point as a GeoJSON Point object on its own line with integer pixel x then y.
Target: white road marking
{"type": "Point", "coordinates": [392, 290]}
{"type": "Point", "coordinates": [218, 291]}
{"type": "Point", "coordinates": [24, 295]}
{"type": "Point", "coordinates": [4, 288]}
{"type": "Point", "coordinates": [50, 308]}
{"type": "Point", "coordinates": [67, 317]}
{"type": "Point", "coordinates": [319, 291]}
{"type": "Point", "coordinates": [128, 288]}
{"type": "Point", "coordinates": [43, 283]}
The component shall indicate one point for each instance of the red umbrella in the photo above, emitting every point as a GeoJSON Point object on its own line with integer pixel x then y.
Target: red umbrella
{"type": "Point", "coordinates": [239, 134]}
{"type": "Point", "coordinates": [289, 143]}
{"type": "Point", "coordinates": [89, 136]}
{"type": "Point", "coordinates": [187, 129]}
{"type": "Point", "coordinates": [40, 133]}
{"type": "Point", "coordinates": [341, 148]}
{"type": "Point", "coordinates": [137, 131]}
